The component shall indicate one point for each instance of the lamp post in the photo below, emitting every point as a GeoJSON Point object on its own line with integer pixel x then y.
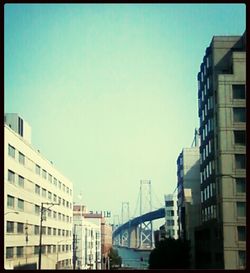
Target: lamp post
{"type": "Point", "coordinates": [41, 226]}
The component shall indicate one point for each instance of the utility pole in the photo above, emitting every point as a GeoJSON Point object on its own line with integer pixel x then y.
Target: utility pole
{"type": "Point", "coordinates": [41, 227]}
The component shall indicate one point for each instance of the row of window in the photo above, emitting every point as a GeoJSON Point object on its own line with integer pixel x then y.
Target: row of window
{"type": "Point", "coordinates": [44, 173]}
{"type": "Point", "coordinates": [208, 192]}
{"type": "Point", "coordinates": [44, 192]}
{"type": "Point", "coordinates": [13, 227]}
{"type": "Point", "coordinates": [209, 127]}
{"type": "Point", "coordinates": [18, 251]}
{"type": "Point", "coordinates": [208, 213]}
{"type": "Point", "coordinates": [208, 170]}
{"type": "Point", "coordinates": [48, 212]}
{"type": "Point", "coordinates": [56, 198]}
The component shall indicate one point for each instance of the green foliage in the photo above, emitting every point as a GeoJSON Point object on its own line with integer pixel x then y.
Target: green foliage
{"type": "Point", "coordinates": [115, 259]}
{"type": "Point", "coordinates": [170, 254]}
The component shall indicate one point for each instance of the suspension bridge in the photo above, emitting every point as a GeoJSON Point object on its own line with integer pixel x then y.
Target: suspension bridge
{"type": "Point", "coordinates": [134, 237]}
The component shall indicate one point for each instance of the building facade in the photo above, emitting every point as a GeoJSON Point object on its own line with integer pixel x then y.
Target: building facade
{"type": "Point", "coordinates": [30, 180]}
{"type": "Point", "coordinates": [171, 216]}
{"type": "Point", "coordinates": [188, 177]}
{"type": "Point", "coordinates": [221, 238]}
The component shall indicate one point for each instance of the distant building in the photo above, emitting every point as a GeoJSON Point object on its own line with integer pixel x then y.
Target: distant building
{"type": "Point", "coordinates": [29, 180]}
{"type": "Point", "coordinates": [102, 234]}
{"type": "Point", "coordinates": [171, 216]}
{"type": "Point", "coordinates": [188, 175]}
{"type": "Point", "coordinates": [221, 238]}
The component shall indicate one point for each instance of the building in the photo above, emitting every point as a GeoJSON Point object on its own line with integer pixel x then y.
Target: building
{"type": "Point", "coordinates": [188, 177]}
{"type": "Point", "coordinates": [30, 180]}
{"type": "Point", "coordinates": [221, 237]}
{"type": "Point", "coordinates": [87, 243]}
{"type": "Point", "coordinates": [171, 216]}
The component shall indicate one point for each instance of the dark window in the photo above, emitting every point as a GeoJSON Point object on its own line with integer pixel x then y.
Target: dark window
{"type": "Point", "coordinates": [21, 181]}
{"type": "Point", "coordinates": [43, 192]}
{"type": "Point", "coordinates": [11, 176]}
{"type": "Point", "coordinates": [19, 251]}
{"type": "Point", "coordinates": [44, 230]}
{"type": "Point", "coordinates": [169, 203]}
{"type": "Point", "coordinates": [49, 248]}
{"type": "Point", "coordinates": [49, 195]}
{"type": "Point", "coordinates": [37, 189]}
{"type": "Point", "coordinates": [9, 252]}
{"type": "Point", "coordinates": [54, 248]}
{"type": "Point", "coordinates": [49, 230]}
{"type": "Point", "coordinates": [38, 169]}
{"type": "Point", "coordinates": [240, 161]}
{"type": "Point", "coordinates": [242, 258]}
{"type": "Point", "coordinates": [241, 233]}
{"type": "Point", "coordinates": [21, 158]}
{"type": "Point", "coordinates": [10, 227]}
{"type": "Point", "coordinates": [241, 209]}
{"type": "Point", "coordinates": [36, 249]}
{"type": "Point", "coordinates": [20, 227]}
{"type": "Point", "coordinates": [240, 137]}
{"type": "Point", "coordinates": [20, 126]}
{"type": "Point", "coordinates": [44, 174]}
{"type": "Point", "coordinates": [54, 231]}
{"type": "Point", "coordinates": [37, 209]}
{"type": "Point", "coordinates": [239, 91]}
{"type": "Point", "coordinates": [36, 231]}
{"type": "Point", "coordinates": [43, 249]}
{"type": "Point", "coordinates": [240, 185]}
{"type": "Point", "coordinates": [10, 201]}
{"type": "Point", "coordinates": [239, 114]}
{"type": "Point", "coordinates": [20, 204]}
{"type": "Point", "coordinates": [11, 151]}
{"type": "Point", "coordinates": [50, 178]}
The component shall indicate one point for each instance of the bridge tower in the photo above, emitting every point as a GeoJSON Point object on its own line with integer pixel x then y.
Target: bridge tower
{"type": "Point", "coordinates": [145, 229]}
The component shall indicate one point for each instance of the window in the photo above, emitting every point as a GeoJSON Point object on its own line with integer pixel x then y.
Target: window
{"type": "Point", "coordinates": [37, 189]}
{"type": "Point", "coordinates": [44, 230]}
{"type": "Point", "coordinates": [36, 250]}
{"type": "Point", "coordinates": [10, 201]}
{"type": "Point", "coordinates": [242, 258]}
{"type": "Point", "coordinates": [55, 181]}
{"type": "Point", "coordinates": [59, 200]}
{"type": "Point", "coordinates": [36, 230]}
{"type": "Point", "coordinates": [170, 222]}
{"type": "Point", "coordinates": [49, 212]}
{"type": "Point", "coordinates": [240, 185]}
{"type": "Point", "coordinates": [54, 197]}
{"type": "Point", "coordinates": [20, 204]}
{"type": "Point", "coordinates": [44, 174]}
{"type": "Point", "coordinates": [9, 252]}
{"type": "Point", "coordinates": [43, 192]}
{"type": "Point", "coordinates": [49, 249]}
{"type": "Point", "coordinates": [240, 161]}
{"type": "Point", "coordinates": [54, 214]}
{"type": "Point", "coordinates": [240, 137]}
{"type": "Point", "coordinates": [20, 227]}
{"type": "Point", "coordinates": [49, 195]}
{"type": "Point", "coordinates": [239, 114]}
{"type": "Point", "coordinates": [20, 126]}
{"type": "Point", "coordinates": [21, 181]}
{"type": "Point", "coordinates": [10, 227]}
{"type": "Point", "coordinates": [239, 91]}
{"type": "Point", "coordinates": [241, 209]}
{"type": "Point", "coordinates": [50, 178]}
{"type": "Point", "coordinates": [54, 231]}
{"type": "Point", "coordinates": [54, 248]}
{"type": "Point", "coordinates": [21, 158]}
{"type": "Point", "coordinates": [59, 184]}
{"type": "Point", "coordinates": [59, 216]}
{"type": "Point", "coordinates": [169, 203]}
{"type": "Point", "coordinates": [49, 230]}
{"type": "Point", "coordinates": [170, 213]}
{"type": "Point", "coordinates": [19, 251]}
{"type": "Point", "coordinates": [241, 230]}
{"type": "Point", "coordinates": [37, 209]}
{"type": "Point", "coordinates": [63, 187]}
{"type": "Point", "coordinates": [38, 169]}
{"type": "Point", "coordinates": [11, 176]}
{"type": "Point", "coordinates": [11, 151]}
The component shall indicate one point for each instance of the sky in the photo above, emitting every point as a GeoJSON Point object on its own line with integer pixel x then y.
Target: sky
{"type": "Point", "coordinates": [110, 90]}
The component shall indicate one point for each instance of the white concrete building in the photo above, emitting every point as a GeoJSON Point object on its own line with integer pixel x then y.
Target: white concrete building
{"type": "Point", "coordinates": [30, 180]}
{"type": "Point", "coordinates": [88, 242]}
{"type": "Point", "coordinates": [171, 216]}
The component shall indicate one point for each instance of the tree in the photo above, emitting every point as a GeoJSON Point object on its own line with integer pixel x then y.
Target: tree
{"type": "Point", "coordinates": [170, 254]}
{"type": "Point", "coordinates": [114, 258]}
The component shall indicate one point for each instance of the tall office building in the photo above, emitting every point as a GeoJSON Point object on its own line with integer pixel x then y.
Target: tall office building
{"type": "Point", "coordinates": [221, 238]}
{"type": "Point", "coordinates": [188, 175]}
{"type": "Point", "coordinates": [30, 180]}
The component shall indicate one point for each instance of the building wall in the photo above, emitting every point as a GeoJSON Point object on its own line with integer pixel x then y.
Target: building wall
{"type": "Point", "coordinates": [171, 216]}
{"type": "Point", "coordinates": [222, 69]}
{"type": "Point", "coordinates": [24, 191]}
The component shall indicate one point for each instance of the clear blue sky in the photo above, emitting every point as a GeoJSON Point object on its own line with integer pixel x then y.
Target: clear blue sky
{"type": "Point", "coordinates": [110, 90]}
